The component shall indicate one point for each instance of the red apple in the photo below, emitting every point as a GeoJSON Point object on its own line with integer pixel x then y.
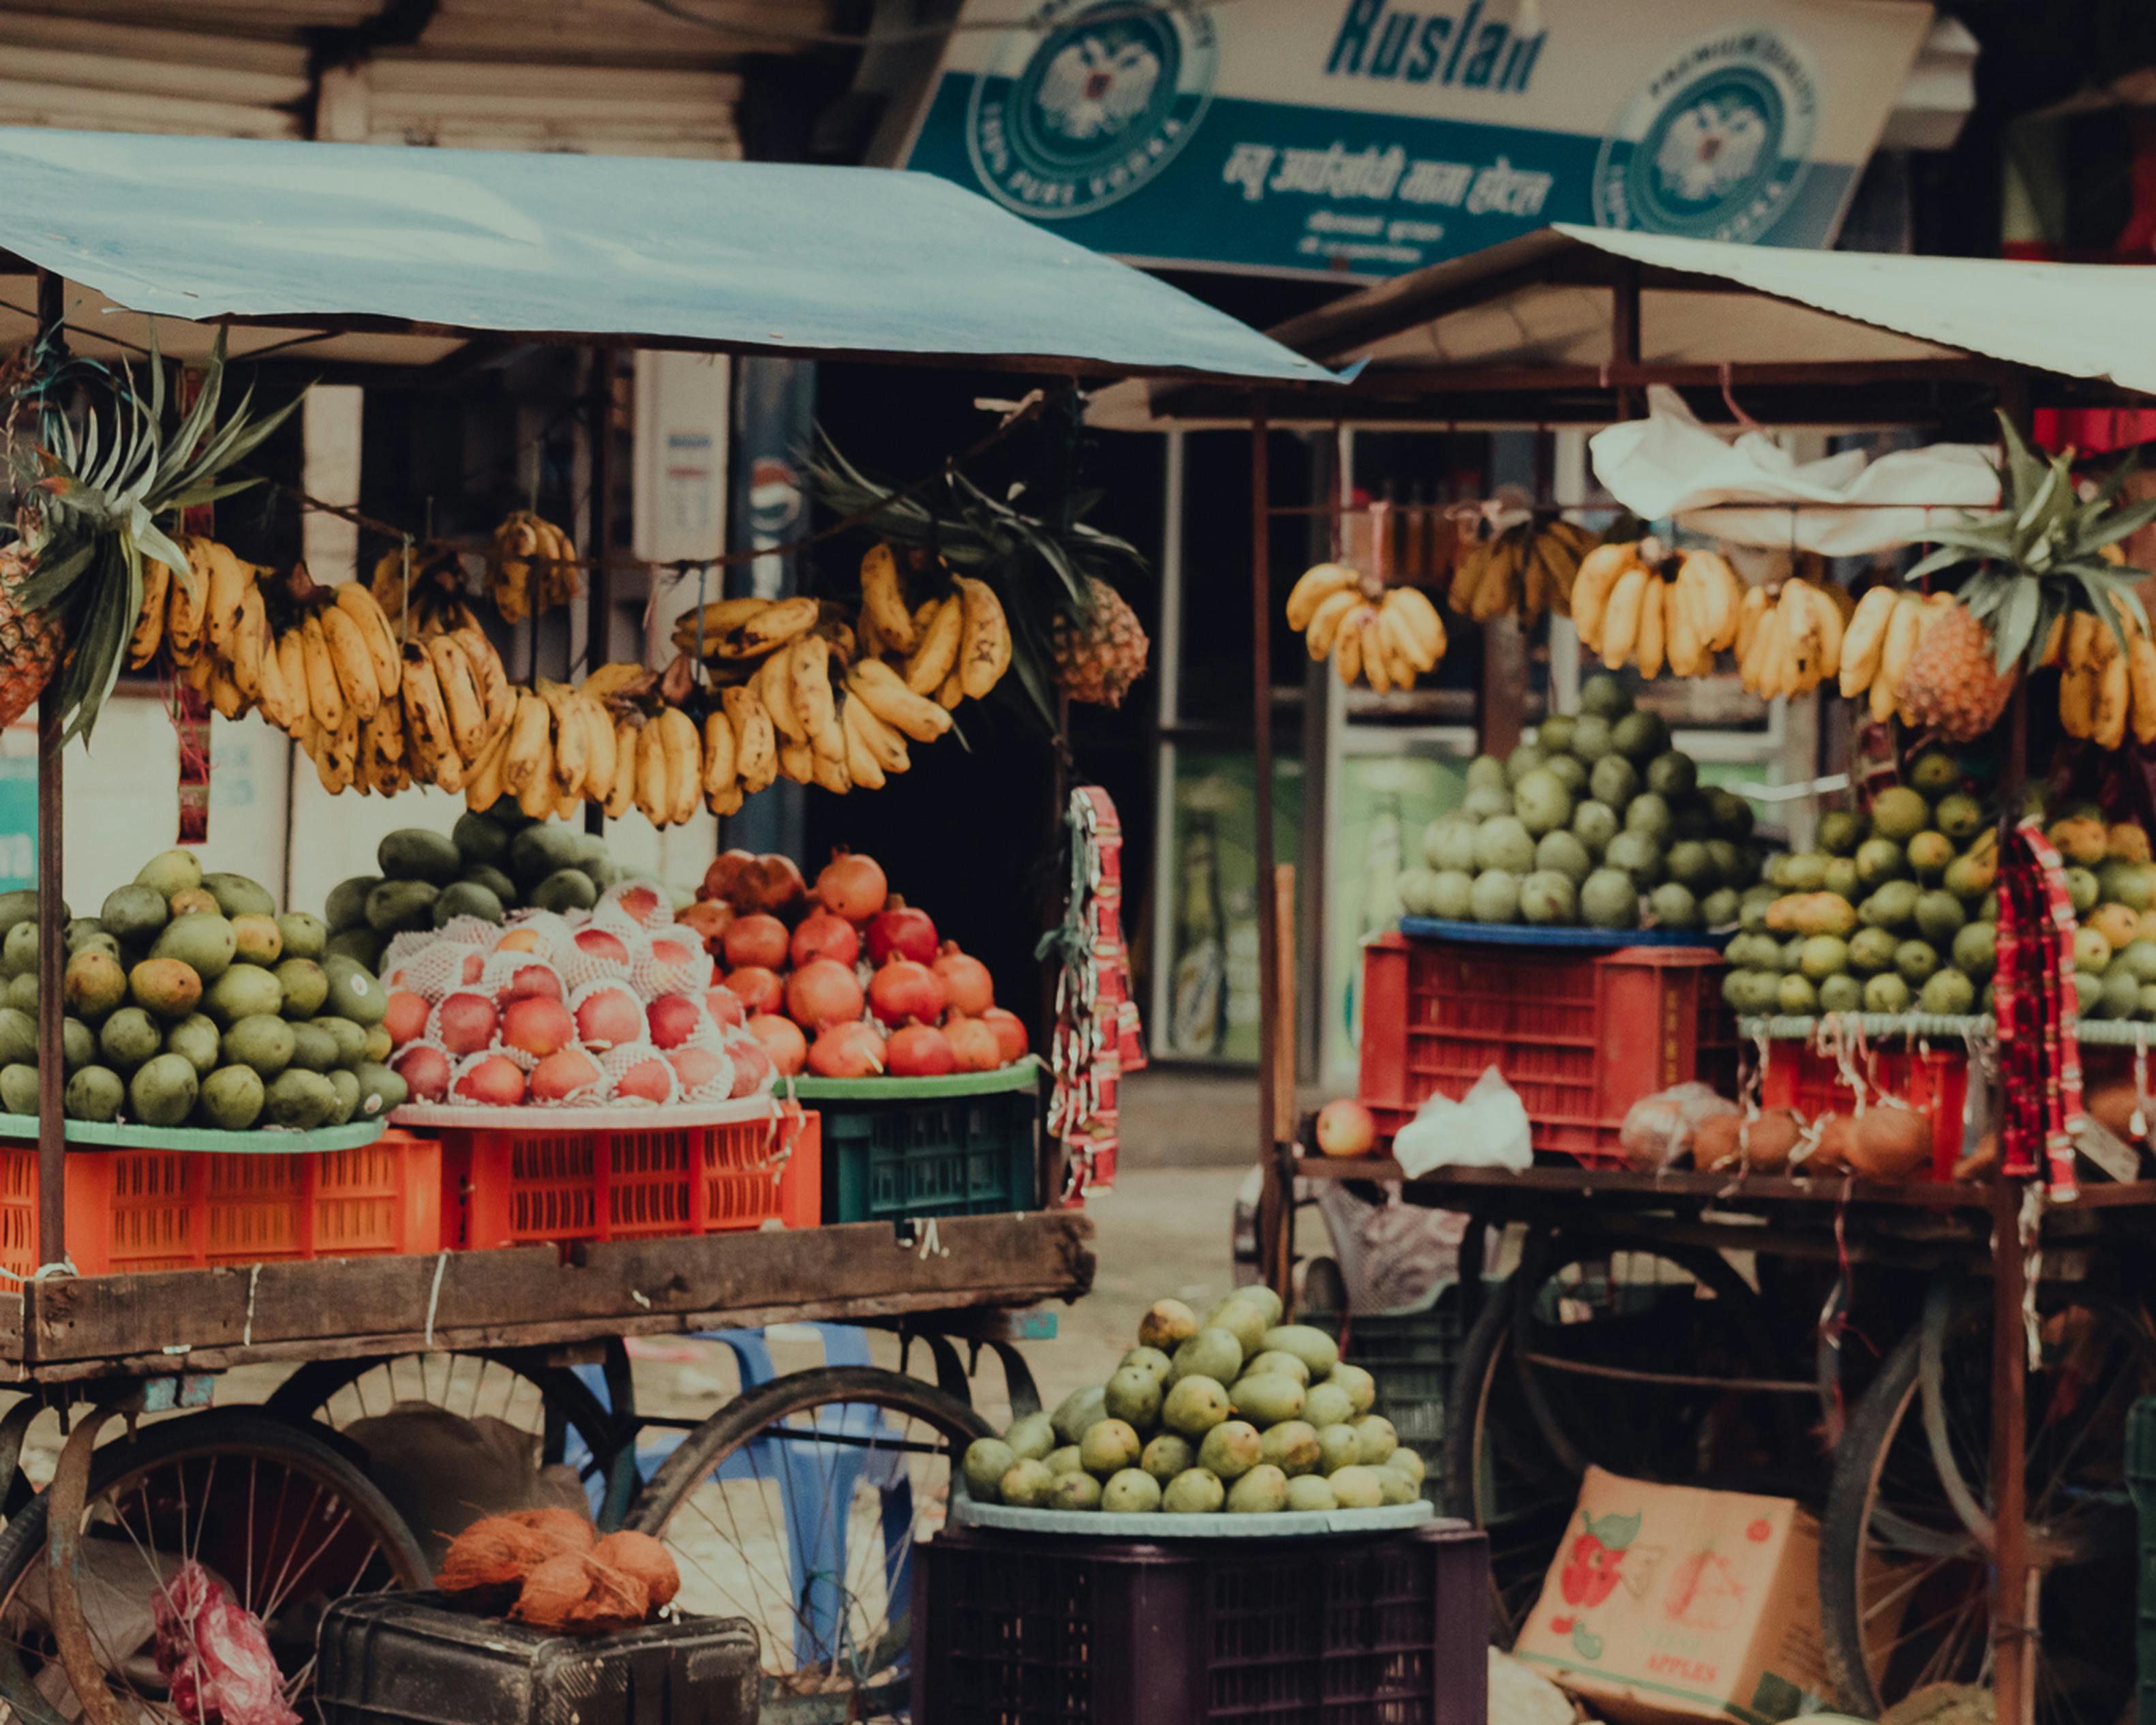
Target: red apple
{"type": "Point", "coordinates": [695, 1067]}
{"type": "Point", "coordinates": [405, 1017]}
{"type": "Point", "coordinates": [493, 1080]}
{"type": "Point", "coordinates": [531, 981]}
{"type": "Point", "coordinates": [425, 1071]}
{"type": "Point", "coordinates": [1346, 1128]}
{"type": "Point", "coordinates": [751, 1064]}
{"type": "Point", "coordinates": [642, 904]}
{"type": "Point", "coordinates": [562, 1074]}
{"type": "Point", "coordinates": [649, 1079]}
{"type": "Point", "coordinates": [673, 1018]}
{"type": "Point", "coordinates": [464, 1022]}
{"type": "Point", "coordinates": [537, 1026]}
{"type": "Point", "coordinates": [607, 1015]}
{"type": "Point", "coordinates": [725, 1005]}
{"type": "Point", "coordinates": [602, 944]}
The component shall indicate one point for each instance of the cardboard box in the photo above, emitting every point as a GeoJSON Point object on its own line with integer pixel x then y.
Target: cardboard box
{"type": "Point", "coordinates": [1669, 1603]}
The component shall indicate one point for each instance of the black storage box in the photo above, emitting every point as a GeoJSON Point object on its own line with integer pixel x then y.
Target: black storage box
{"type": "Point", "coordinates": [404, 1658]}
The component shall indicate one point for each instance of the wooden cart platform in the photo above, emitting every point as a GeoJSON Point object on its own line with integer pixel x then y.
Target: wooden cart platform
{"type": "Point", "coordinates": [68, 1329]}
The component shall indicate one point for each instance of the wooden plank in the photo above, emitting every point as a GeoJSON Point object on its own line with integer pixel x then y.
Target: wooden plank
{"type": "Point", "coordinates": [349, 1306]}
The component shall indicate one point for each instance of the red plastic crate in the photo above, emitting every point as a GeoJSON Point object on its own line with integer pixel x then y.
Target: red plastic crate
{"type": "Point", "coordinates": [185, 1209]}
{"type": "Point", "coordinates": [1933, 1081]}
{"type": "Point", "coordinates": [1580, 1036]}
{"type": "Point", "coordinates": [556, 1183]}
{"type": "Point", "coordinates": [1366, 1629]}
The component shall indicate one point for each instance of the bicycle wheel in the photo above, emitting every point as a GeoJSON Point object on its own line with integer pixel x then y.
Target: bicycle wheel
{"type": "Point", "coordinates": [796, 1506]}
{"type": "Point", "coordinates": [1567, 1366]}
{"type": "Point", "coordinates": [1905, 1580]}
{"type": "Point", "coordinates": [275, 1513]}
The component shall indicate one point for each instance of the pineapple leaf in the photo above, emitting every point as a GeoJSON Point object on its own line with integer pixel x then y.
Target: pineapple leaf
{"type": "Point", "coordinates": [168, 552]}
{"type": "Point", "coordinates": [2119, 525]}
{"type": "Point", "coordinates": [1945, 558]}
{"type": "Point", "coordinates": [2107, 613]}
{"type": "Point", "coordinates": [2017, 619]}
{"type": "Point", "coordinates": [2024, 469]}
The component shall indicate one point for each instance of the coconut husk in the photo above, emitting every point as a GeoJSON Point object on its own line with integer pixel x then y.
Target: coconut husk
{"type": "Point", "coordinates": [1830, 1144]}
{"type": "Point", "coordinates": [552, 1592]}
{"type": "Point", "coordinates": [644, 1559]}
{"type": "Point", "coordinates": [496, 1552]}
{"type": "Point", "coordinates": [1715, 1143]}
{"type": "Point", "coordinates": [1766, 1140]}
{"type": "Point", "coordinates": [1891, 1142]}
{"type": "Point", "coordinates": [613, 1600]}
{"type": "Point", "coordinates": [564, 1532]}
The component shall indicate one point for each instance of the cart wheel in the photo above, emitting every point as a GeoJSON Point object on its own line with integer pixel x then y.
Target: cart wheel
{"type": "Point", "coordinates": [796, 1506]}
{"type": "Point", "coordinates": [1596, 1320]}
{"type": "Point", "coordinates": [276, 1514]}
{"type": "Point", "coordinates": [1905, 1582]}
{"type": "Point", "coordinates": [549, 1401]}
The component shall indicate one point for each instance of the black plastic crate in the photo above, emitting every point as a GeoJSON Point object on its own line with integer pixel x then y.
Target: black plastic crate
{"type": "Point", "coordinates": [1360, 1628]}
{"type": "Point", "coordinates": [2141, 1483]}
{"type": "Point", "coordinates": [1412, 1356]}
{"type": "Point", "coordinates": [949, 1156]}
{"type": "Point", "coordinates": [405, 1659]}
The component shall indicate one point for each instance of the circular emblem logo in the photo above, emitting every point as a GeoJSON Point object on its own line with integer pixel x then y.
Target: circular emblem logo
{"type": "Point", "coordinates": [1084, 106]}
{"type": "Point", "coordinates": [1716, 144]}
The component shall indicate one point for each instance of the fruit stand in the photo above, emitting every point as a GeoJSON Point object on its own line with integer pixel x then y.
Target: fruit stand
{"type": "Point", "coordinates": [1982, 1326]}
{"type": "Point", "coordinates": [266, 242]}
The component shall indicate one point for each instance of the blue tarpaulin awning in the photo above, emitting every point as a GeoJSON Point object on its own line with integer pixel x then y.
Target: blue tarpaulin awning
{"type": "Point", "coordinates": [744, 256]}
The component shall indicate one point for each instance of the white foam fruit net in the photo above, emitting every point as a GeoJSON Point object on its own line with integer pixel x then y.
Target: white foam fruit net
{"type": "Point", "coordinates": [458, 1018]}
{"type": "Point", "coordinates": [596, 954]}
{"type": "Point", "coordinates": [435, 968]}
{"type": "Point", "coordinates": [749, 1057]}
{"type": "Point", "coordinates": [510, 976]}
{"type": "Point", "coordinates": [537, 934]}
{"type": "Point", "coordinates": [704, 1072]}
{"type": "Point", "coordinates": [642, 904]}
{"type": "Point", "coordinates": [669, 962]}
{"type": "Point", "coordinates": [646, 1065]}
{"type": "Point", "coordinates": [593, 1025]}
{"type": "Point", "coordinates": [586, 1092]}
{"type": "Point", "coordinates": [471, 1063]}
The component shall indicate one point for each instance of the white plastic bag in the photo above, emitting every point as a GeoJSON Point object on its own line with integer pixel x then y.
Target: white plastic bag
{"type": "Point", "coordinates": [1658, 1130]}
{"type": "Point", "coordinates": [1669, 465]}
{"type": "Point", "coordinates": [1487, 1128]}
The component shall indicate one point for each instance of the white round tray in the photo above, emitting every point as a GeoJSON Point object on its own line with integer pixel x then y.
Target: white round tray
{"type": "Point", "coordinates": [541, 1117]}
{"type": "Point", "coordinates": [1159, 1524]}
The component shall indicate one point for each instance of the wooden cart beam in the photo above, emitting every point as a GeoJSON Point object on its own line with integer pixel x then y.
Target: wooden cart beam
{"type": "Point", "coordinates": [52, 921]}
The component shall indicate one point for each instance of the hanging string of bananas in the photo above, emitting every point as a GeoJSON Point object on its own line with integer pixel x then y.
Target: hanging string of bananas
{"type": "Point", "coordinates": [531, 567]}
{"type": "Point", "coordinates": [1385, 636]}
{"type": "Point", "coordinates": [1639, 602]}
{"type": "Point", "coordinates": [1527, 570]}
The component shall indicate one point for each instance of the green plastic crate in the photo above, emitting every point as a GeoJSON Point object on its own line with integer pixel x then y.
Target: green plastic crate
{"type": "Point", "coordinates": [1412, 1356]}
{"type": "Point", "coordinates": [902, 1147]}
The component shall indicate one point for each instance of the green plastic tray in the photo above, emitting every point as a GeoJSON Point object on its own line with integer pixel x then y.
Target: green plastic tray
{"type": "Point", "coordinates": [95, 1134]}
{"type": "Point", "coordinates": [1020, 1075]}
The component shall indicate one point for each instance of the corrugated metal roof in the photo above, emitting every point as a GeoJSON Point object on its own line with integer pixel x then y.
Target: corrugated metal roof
{"type": "Point", "coordinates": [750, 256]}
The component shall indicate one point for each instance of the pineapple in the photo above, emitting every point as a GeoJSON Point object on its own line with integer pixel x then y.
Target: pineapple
{"type": "Point", "coordinates": [30, 642]}
{"type": "Point", "coordinates": [1100, 656]}
{"type": "Point", "coordinates": [1953, 684]}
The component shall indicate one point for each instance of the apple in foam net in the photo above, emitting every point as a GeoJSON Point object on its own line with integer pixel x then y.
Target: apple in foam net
{"type": "Point", "coordinates": [673, 1018]}
{"type": "Point", "coordinates": [602, 944]}
{"type": "Point", "coordinates": [404, 1017]}
{"type": "Point", "coordinates": [676, 962]}
{"type": "Point", "coordinates": [464, 1022]}
{"type": "Point", "coordinates": [695, 1067]}
{"type": "Point", "coordinates": [782, 1041]}
{"type": "Point", "coordinates": [751, 1064]}
{"type": "Point", "coordinates": [538, 1026]}
{"type": "Point", "coordinates": [531, 981]}
{"type": "Point", "coordinates": [651, 1080]}
{"type": "Point", "coordinates": [609, 1015]}
{"type": "Point", "coordinates": [493, 1080]}
{"type": "Point", "coordinates": [425, 1071]}
{"type": "Point", "coordinates": [639, 901]}
{"type": "Point", "coordinates": [725, 1005]}
{"type": "Point", "coordinates": [561, 1074]}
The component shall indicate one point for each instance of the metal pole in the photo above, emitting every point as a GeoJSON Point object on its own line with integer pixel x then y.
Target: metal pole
{"type": "Point", "coordinates": [2013, 1581]}
{"type": "Point", "coordinates": [1261, 710]}
{"type": "Point", "coordinates": [51, 924]}
{"type": "Point", "coordinates": [598, 534]}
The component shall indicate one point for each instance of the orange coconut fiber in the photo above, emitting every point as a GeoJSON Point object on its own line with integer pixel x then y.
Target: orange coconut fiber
{"type": "Point", "coordinates": [564, 1529]}
{"type": "Point", "coordinates": [552, 1591]}
{"type": "Point", "coordinates": [645, 1559]}
{"type": "Point", "coordinates": [496, 1551]}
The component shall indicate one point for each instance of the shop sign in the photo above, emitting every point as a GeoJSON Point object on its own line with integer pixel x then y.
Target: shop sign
{"type": "Point", "coordinates": [1365, 138]}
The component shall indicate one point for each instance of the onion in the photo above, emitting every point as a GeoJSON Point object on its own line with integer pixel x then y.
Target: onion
{"type": "Point", "coordinates": [900, 931]}
{"type": "Point", "coordinates": [851, 1050]}
{"type": "Point", "coordinates": [904, 989]}
{"type": "Point", "coordinates": [1010, 1032]}
{"type": "Point", "coordinates": [757, 939]}
{"type": "Point", "coordinates": [918, 1051]}
{"type": "Point", "coordinates": [823, 933]}
{"type": "Point", "coordinates": [975, 1046]}
{"type": "Point", "coordinates": [769, 882]}
{"type": "Point", "coordinates": [821, 993]}
{"type": "Point", "coordinates": [782, 1041]}
{"type": "Point", "coordinates": [852, 887]}
{"type": "Point", "coordinates": [758, 988]}
{"type": "Point", "coordinates": [966, 981]}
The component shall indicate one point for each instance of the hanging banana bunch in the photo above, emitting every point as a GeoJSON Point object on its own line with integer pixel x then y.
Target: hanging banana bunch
{"type": "Point", "coordinates": [1385, 636]}
{"type": "Point", "coordinates": [1875, 644]}
{"type": "Point", "coordinates": [1528, 570]}
{"type": "Point", "coordinates": [531, 566]}
{"type": "Point", "coordinates": [1641, 604]}
{"type": "Point", "coordinates": [2105, 687]}
{"type": "Point", "coordinates": [1788, 638]}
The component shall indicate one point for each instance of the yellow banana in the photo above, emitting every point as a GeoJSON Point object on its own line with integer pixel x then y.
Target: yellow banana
{"type": "Point", "coordinates": [829, 774]}
{"type": "Point", "coordinates": [936, 655]}
{"type": "Point", "coordinates": [1370, 648]}
{"type": "Point", "coordinates": [1499, 591]}
{"type": "Point", "coordinates": [350, 660]}
{"type": "Point", "coordinates": [1863, 638]}
{"type": "Point", "coordinates": [778, 623]}
{"type": "Point", "coordinates": [483, 784]}
{"type": "Point", "coordinates": [1332, 610]}
{"type": "Point", "coordinates": [1722, 589]}
{"type": "Point", "coordinates": [2113, 692]}
{"type": "Point", "coordinates": [292, 673]}
{"type": "Point", "coordinates": [882, 741]}
{"type": "Point", "coordinates": [1687, 655]}
{"type": "Point", "coordinates": [1314, 584]}
{"type": "Point", "coordinates": [223, 693]}
{"type": "Point", "coordinates": [621, 795]}
{"type": "Point", "coordinates": [809, 672]}
{"type": "Point", "coordinates": [325, 695]}
{"type": "Point", "coordinates": [654, 797]}
{"type": "Point", "coordinates": [1621, 620]}
{"type": "Point", "coordinates": [1591, 589]}
{"type": "Point", "coordinates": [2077, 702]}
{"type": "Point", "coordinates": [1648, 647]}
{"type": "Point", "coordinates": [527, 741]}
{"type": "Point", "coordinates": [1348, 646]}
{"type": "Point", "coordinates": [186, 603]}
{"type": "Point", "coordinates": [428, 734]}
{"type": "Point", "coordinates": [490, 679]}
{"type": "Point", "coordinates": [685, 763]}
{"type": "Point", "coordinates": [2081, 632]}
{"type": "Point", "coordinates": [1754, 606]}
{"type": "Point", "coordinates": [228, 579]}
{"type": "Point", "coordinates": [1402, 648]}
{"type": "Point", "coordinates": [365, 610]}
{"type": "Point", "coordinates": [250, 642]}
{"type": "Point", "coordinates": [274, 698]}
{"type": "Point", "coordinates": [342, 749]}
{"type": "Point", "coordinates": [986, 652]}
{"type": "Point", "coordinates": [797, 761]}
{"type": "Point", "coordinates": [774, 683]}
{"type": "Point", "coordinates": [718, 755]}
{"type": "Point", "coordinates": [883, 599]}
{"type": "Point", "coordinates": [619, 677]}
{"type": "Point", "coordinates": [1902, 629]}
{"type": "Point", "coordinates": [600, 747]}
{"type": "Point", "coordinates": [885, 694]}
{"type": "Point", "coordinates": [862, 767]}
{"type": "Point", "coordinates": [1467, 571]}
{"type": "Point", "coordinates": [755, 748]}
{"type": "Point", "coordinates": [1827, 616]}
{"type": "Point", "coordinates": [2141, 673]}
{"type": "Point", "coordinates": [1421, 621]}
{"type": "Point", "coordinates": [149, 624]}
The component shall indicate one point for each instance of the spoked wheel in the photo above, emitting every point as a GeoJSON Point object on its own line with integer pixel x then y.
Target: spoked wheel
{"type": "Point", "coordinates": [280, 1517]}
{"type": "Point", "coordinates": [549, 1401]}
{"type": "Point", "coordinates": [796, 1506]}
{"type": "Point", "coordinates": [1905, 1548]}
{"type": "Point", "coordinates": [1620, 1357]}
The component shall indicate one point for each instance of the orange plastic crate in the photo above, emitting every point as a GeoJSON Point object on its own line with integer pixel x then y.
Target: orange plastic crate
{"type": "Point", "coordinates": [555, 1181]}
{"type": "Point", "coordinates": [185, 1209]}
{"type": "Point", "coordinates": [1580, 1036]}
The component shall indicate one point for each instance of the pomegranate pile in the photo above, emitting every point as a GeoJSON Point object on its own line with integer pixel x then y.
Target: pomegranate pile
{"type": "Point", "coordinates": [843, 979]}
{"type": "Point", "coordinates": [613, 1006]}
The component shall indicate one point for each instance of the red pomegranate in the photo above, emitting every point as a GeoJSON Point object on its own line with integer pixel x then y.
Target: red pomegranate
{"type": "Point", "coordinates": [823, 934]}
{"type": "Point", "coordinates": [1010, 1032]}
{"type": "Point", "coordinates": [769, 882]}
{"type": "Point", "coordinates": [821, 993]}
{"type": "Point", "coordinates": [782, 1041]}
{"type": "Point", "coordinates": [425, 1070]}
{"type": "Point", "coordinates": [900, 931]}
{"type": "Point", "coordinates": [965, 981]}
{"type": "Point", "coordinates": [847, 1051]}
{"type": "Point", "coordinates": [851, 886]}
{"type": "Point", "coordinates": [709, 919]}
{"type": "Point", "coordinates": [405, 1017]}
{"type": "Point", "coordinates": [974, 1045]}
{"type": "Point", "coordinates": [756, 939]}
{"type": "Point", "coordinates": [757, 989]}
{"type": "Point", "coordinates": [918, 1051]}
{"type": "Point", "coordinates": [724, 1006]}
{"type": "Point", "coordinates": [906, 989]}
